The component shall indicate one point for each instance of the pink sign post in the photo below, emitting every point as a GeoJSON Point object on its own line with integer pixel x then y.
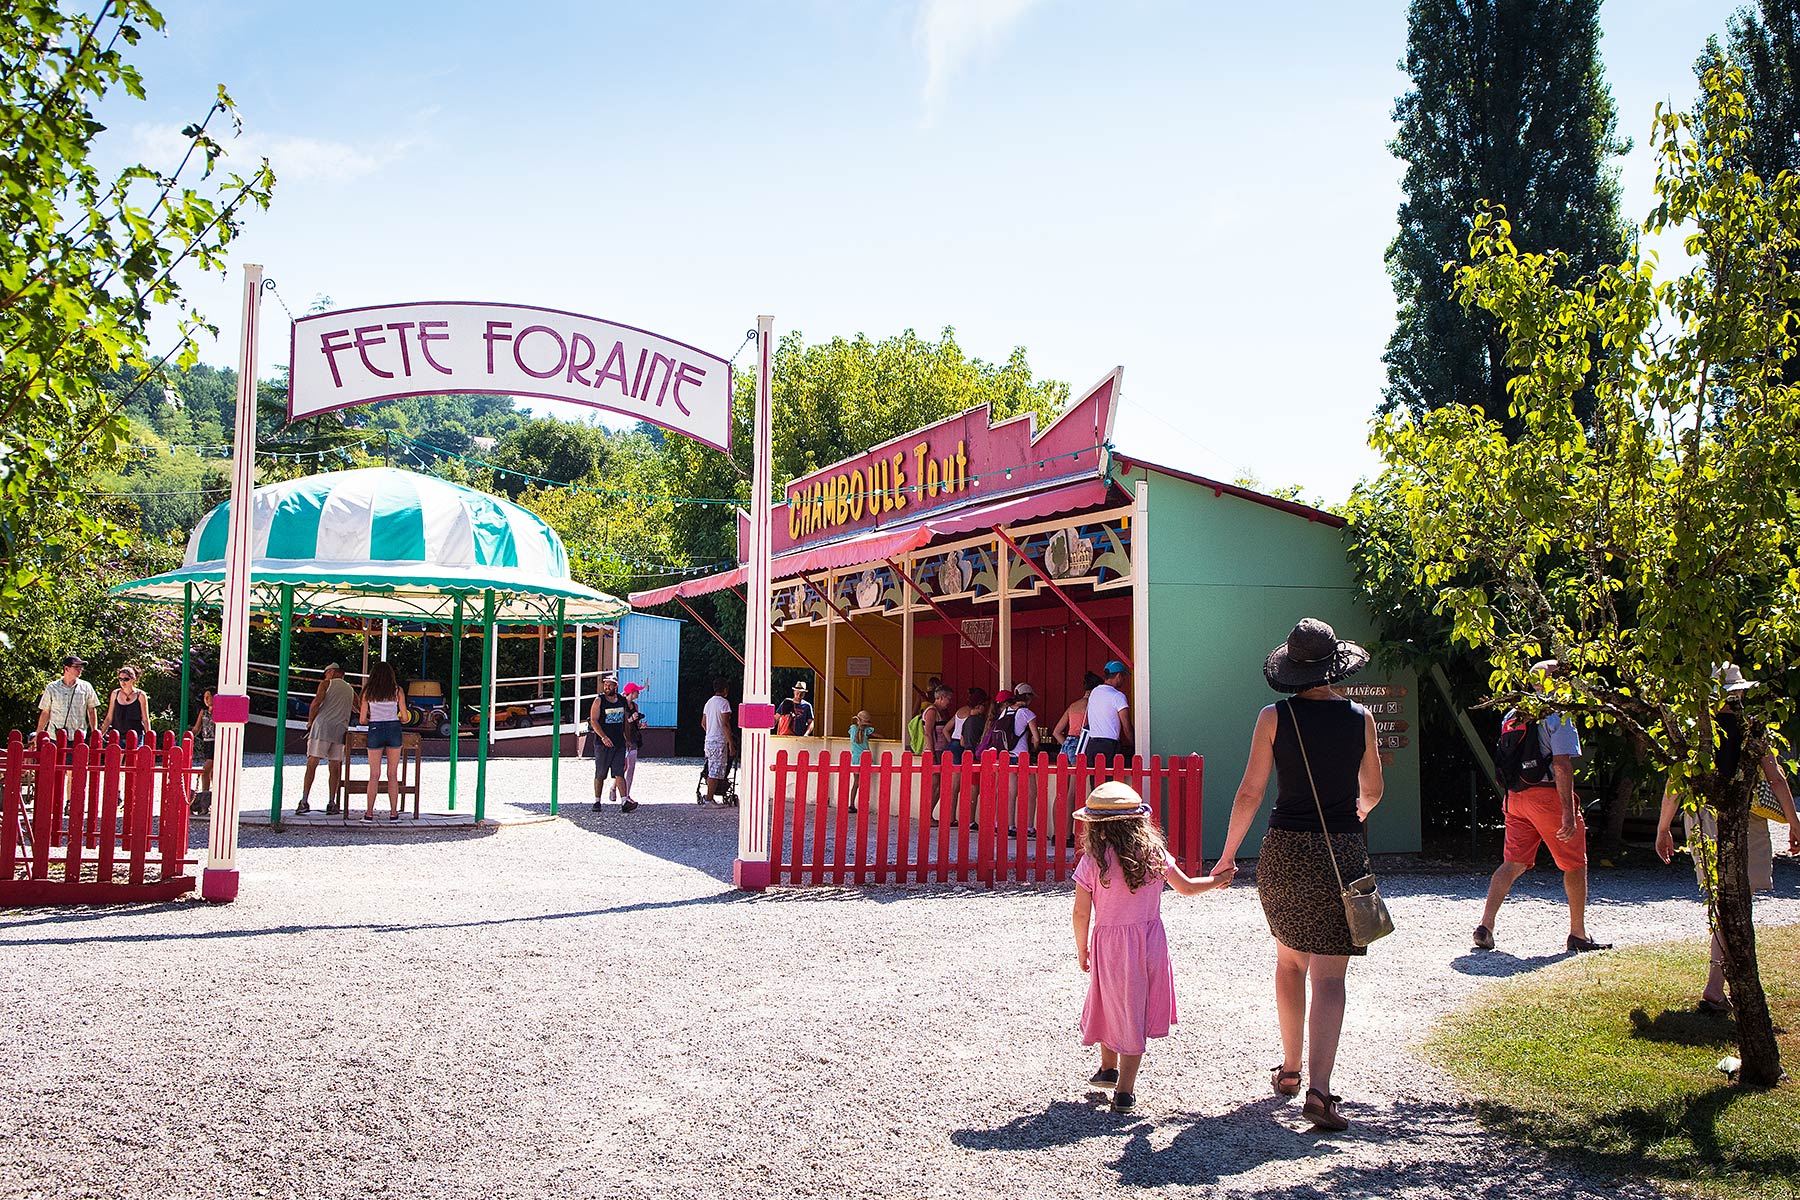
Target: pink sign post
{"type": "Point", "coordinates": [231, 702]}
{"type": "Point", "coordinates": [756, 716]}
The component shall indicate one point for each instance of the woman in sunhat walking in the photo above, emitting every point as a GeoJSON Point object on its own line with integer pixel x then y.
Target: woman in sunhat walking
{"type": "Point", "coordinates": [1323, 750]}
{"type": "Point", "coordinates": [1119, 938]}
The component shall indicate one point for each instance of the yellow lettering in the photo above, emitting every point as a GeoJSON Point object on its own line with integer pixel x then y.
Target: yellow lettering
{"type": "Point", "coordinates": [899, 464]}
{"type": "Point", "coordinates": [840, 498]}
{"type": "Point", "coordinates": [962, 466]}
{"type": "Point", "coordinates": [793, 518]}
{"type": "Point", "coordinates": [920, 453]}
{"type": "Point", "coordinates": [856, 494]}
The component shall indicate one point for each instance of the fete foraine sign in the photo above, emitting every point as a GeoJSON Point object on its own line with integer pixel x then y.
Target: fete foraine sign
{"type": "Point", "coordinates": [358, 355]}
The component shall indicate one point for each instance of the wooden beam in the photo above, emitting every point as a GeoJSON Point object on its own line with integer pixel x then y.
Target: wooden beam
{"type": "Point", "coordinates": [706, 625]}
{"type": "Point", "coordinates": [798, 653]}
{"type": "Point", "coordinates": [1064, 596]}
{"type": "Point", "coordinates": [825, 595]}
{"type": "Point", "coordinates": [939, 610]}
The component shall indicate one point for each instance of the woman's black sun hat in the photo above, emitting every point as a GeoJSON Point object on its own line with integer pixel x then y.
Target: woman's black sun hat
{"type": "Point", "coordinates": [1313, 654]}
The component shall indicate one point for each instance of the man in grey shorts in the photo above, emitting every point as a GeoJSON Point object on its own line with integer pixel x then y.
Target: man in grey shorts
{"type": "Point", "coordinates": [327, 725]}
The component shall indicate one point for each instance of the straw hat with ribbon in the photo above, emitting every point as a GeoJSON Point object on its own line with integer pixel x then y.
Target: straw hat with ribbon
{"type": "Point", "coordinates": [1113, 802]}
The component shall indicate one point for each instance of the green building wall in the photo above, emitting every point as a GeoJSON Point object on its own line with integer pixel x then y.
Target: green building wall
{"type": "Point", "coordinates": [1228, 577]}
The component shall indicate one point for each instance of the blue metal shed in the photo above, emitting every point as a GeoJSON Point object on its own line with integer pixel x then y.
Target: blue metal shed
{"type": "Point", "coordinates": [650, 654]}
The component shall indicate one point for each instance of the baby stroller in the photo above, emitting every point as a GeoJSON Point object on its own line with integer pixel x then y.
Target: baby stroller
{"type": "Point", "coordinates": [730, 797]}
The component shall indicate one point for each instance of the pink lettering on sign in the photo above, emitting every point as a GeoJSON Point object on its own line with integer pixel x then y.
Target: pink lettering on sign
{"type": "Point", "coordinates": [359, 356]}
{"type": "Point", "coordinates": [429, 332]}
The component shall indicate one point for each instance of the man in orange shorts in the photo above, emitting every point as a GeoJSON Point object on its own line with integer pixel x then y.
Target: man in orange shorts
{"type": "Point", "coordinates": [1545, 814]}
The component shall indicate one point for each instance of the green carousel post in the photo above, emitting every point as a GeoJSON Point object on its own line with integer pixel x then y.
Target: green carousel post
{"type": "Point", "coordinates": [187, 666]}
{"type": "Point", "coordinates": [485, 708]}
{"type": "Point", "coordinates": [456, 641]}
{"type": "Point", "coordinates": [556, 720]}
{"type": "Point", "coordinates": [281, 699]}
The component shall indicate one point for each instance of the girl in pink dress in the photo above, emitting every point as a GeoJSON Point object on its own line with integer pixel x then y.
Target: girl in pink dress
{"type": "Point", "coordinates": [1119, 937]}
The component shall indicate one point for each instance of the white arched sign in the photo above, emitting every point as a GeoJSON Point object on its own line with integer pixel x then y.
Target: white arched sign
{"type": "Point", "coordinates": [358, 355]}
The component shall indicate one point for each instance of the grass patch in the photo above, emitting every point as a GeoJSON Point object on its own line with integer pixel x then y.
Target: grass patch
{"type": "Point", "coordinates": [1604, 1056]}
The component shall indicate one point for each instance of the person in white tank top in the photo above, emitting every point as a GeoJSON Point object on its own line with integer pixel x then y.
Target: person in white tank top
{"type": "Point", "coordinates": [384, 711]}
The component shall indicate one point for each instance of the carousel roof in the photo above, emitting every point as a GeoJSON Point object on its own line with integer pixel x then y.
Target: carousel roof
{"type": "Point", "coordinates": [382, 542]}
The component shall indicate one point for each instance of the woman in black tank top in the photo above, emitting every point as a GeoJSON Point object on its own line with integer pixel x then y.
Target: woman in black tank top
{"type": "Point", "coordinates": [1327, 764]}
{"type": "Point", "coordinates": [128, 709]}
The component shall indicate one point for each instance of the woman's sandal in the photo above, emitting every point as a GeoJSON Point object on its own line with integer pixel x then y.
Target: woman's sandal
{"type": "Point", "coordinates": [1285, 1083]}
{"type": "Point", "coordinates": [1321, 1110]}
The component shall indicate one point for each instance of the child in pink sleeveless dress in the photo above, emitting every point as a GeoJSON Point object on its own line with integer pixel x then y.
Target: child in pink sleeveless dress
{"type": "Point", "coordinates": [1119, 937]}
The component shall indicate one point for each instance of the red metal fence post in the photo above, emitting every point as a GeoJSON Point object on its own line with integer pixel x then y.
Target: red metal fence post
{"type": "Point", "coordinates": [172, 823]}
{"type": "Point", "coordinates": [778, 817]}
{"type": "Point", "coordinates": [12, 806]}
{"type": "Point", "coordinates": [883, 774]}
{"type": "Point", "coordinates": [137, 809]}
{"type": "Point", "coordinates": [840, 833]}
{"type": "Point", "coordinates": [76, 838]}
{"type": "Point", "coordinates": [46, 804]}
{"type": "Point", "coordinates": [112, 777]}
{"type": "Point", "coordinates": [864, 800]}
{"type": "Point", "coordinates": [821, 810]}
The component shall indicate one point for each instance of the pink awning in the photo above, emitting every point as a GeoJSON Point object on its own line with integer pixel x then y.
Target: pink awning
{"type": "Point", "coordinates": [891, 543]}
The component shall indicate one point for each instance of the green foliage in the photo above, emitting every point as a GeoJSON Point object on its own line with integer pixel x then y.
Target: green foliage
{"type": "Point", "coordinates": [1609, 1061]}
{"type": "Point", "coordinates": [1645, 547]}
{"type": "Point", "coordinates": [609, 536]}
{"type": "Point", "coordinates": [84, 262]}
{"type": "Point", "coordinates": [74, 615]}
{"type": "Point", "coordinates": [1764, 43]}
{"type": "Point", "coordinates": [1509, 104]}
{"type": "Point", "coordinates": [549, 449]}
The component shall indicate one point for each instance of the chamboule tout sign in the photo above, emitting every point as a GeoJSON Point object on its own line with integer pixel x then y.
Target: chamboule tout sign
{"type": "Point", "coordinates": [356, 355]}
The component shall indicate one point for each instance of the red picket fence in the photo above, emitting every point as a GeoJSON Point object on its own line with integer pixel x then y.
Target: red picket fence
{"type": "Point", "coordinates": [1022, 818]}
{"type": "Point", "coordinates": [104, 824]}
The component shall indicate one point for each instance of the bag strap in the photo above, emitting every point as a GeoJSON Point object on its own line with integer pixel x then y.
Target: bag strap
{"type": "Point", "coordinates": [1295, 719]}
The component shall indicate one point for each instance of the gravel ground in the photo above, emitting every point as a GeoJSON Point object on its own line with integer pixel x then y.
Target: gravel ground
{"type": "Point", "coordinates": [585, 1008]}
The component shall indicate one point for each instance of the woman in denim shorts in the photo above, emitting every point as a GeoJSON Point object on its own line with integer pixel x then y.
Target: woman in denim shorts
{"type": "Point", "coordinates": [383, 711]}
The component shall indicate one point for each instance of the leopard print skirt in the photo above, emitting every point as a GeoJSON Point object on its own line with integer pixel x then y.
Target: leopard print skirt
{"type": "Point", "coordinates": [1299, 893]}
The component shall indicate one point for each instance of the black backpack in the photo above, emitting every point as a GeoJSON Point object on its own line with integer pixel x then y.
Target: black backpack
{"type": "Point", "coordinates": [1520, 760]}
{"type": "Point", "coordinates": [1001, 733]}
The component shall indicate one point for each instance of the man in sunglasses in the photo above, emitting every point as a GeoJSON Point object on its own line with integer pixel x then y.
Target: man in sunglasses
{"type": "Point", "coordinates": [69, 702]}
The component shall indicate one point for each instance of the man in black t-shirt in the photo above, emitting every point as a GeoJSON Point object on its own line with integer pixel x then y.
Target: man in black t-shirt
{"type": "Point", "coordinates": [607, 720]}
{"type": "Point", "coordinates": [803, 711]}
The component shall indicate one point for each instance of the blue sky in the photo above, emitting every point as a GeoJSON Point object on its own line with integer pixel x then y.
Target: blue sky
{"type": "Point", "coordinates": [1199, 191]}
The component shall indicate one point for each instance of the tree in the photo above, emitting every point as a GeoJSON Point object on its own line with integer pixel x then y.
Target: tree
{"type": "Point", "coordinates": [831, 400]}
{"type": "Point", "coordinates": [84, 263]}
{"type": "Point", "coordinates": [559, 451]}
{"type": "Point", "coordinates": [1764, 43]}
{"type": "Point", "coordinates": [1645, 547]}
{"type": "Point", "coordinates": [1509, 104]}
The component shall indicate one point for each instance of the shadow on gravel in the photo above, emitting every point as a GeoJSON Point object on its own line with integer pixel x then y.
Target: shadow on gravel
{"type": "Point", "coordinates": [1216, 1148]}
{"type": "Point", "coordinates": [1543, 882]}
{"type": "Point", "coordinates": [1064, 1123]}
{"type": "Point", "coordinates": [1457, 1158]}
{"type": "Point", "coordinates": [360, 927]}
{"type": "Point", "coordinates": [1498, 964]}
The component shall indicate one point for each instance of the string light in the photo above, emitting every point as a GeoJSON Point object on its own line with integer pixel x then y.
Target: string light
{"type": "Point", "coordinates": [412, 446]}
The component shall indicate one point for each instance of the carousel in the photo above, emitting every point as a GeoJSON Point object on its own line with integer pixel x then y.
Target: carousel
{"type": "Point", "coordinates": [390, 544]}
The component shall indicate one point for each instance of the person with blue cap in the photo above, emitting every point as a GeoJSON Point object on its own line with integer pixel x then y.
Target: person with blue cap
{"type": "Point", "coordinates": [1108, 724]}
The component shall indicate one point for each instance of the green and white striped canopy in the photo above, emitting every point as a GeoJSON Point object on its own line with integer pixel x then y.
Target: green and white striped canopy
{"type": "Point", "coordinates": [389, 543]}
